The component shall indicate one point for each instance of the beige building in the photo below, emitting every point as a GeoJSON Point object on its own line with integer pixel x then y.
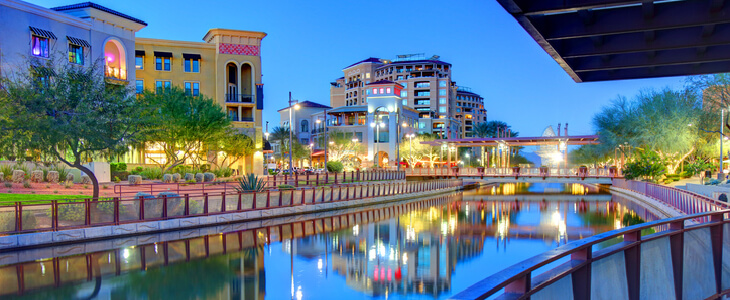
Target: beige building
{"type": "Point", "coordinates": [427, 88]}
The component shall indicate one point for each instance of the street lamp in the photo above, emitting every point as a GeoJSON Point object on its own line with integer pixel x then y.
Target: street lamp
{"type": "Point", "coordinates": [291, 121]}
{"type": "Point", "coordinates": [325, 137]}
{"type": "Point", "coordinates": [467, 157]}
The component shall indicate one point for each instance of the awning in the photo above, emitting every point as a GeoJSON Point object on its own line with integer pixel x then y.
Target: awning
{"type": "Point", "coordinates": [79, 42]}
{"type": "Point", "coordinates": [191, 56]}
{"type": "Point", "coordinates": [139, 52]}
{"type": "Point", "coordinates": [163, 54]}
{"type": "Point", "coordinates": [43, 33]}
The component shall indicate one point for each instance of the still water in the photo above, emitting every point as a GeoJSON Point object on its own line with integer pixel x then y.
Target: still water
{"type": "Point", "coordinates": [392, 252]}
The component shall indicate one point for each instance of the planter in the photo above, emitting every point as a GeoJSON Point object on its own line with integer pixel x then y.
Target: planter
{"type": "Point", "coordinates": [582, 171]}
{"type": "Point", "coordinates": [544, 172]}
{"type": "Point", "coordinates": [516, 170]}
{"type": "Point", "coordinates": [612, 171]}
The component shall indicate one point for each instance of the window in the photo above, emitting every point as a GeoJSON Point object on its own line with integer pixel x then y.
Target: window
{"type": "Point", "coordinates": [367, 75]}
{"type": "Point", "coordinates": [375, 91]}
{"type": "Point", "coordinates": [423, 84]}
{"type": "Point", "coordinates": [442, 109]}
{"type": "Point", "coordinates": [305, 126]}
{"type": "Point", "coordinates": [192, 65]}
{"type": "Point", "coordinates": [421, 125]}
{"type": "Point", "coordinates": [367, 92]}
{"type": "Point", "coordinates": [405, 102]}
{"type": "Point", "coordinates": [404, 84]}
{"type": "Point", "coordinates": [382, 90]}
{"type": "Point", "coordinates": [423, 93]}
{"type": "Point", "coordinates": [387, 90]}
{"type": "Point", "coordinates": [458, 110]}
{"type": "Point", "coordinates": [162, 63]}
{"type": "Point", "coordinates": [75, 54]}
{"type": "Point", "coordinates": [139, 62]}
{"type": "Point", "coordinates": [442, 100]}
{"type": "Point", "coordinates": [140, 86]}
{"type": "Point", "coordinates": [192, 88]}
{"type": "Point", "coordinates": [39, 46]}
{"type": "Point", "coordinates": [423, 102]}
{"type": "Point", "coordinates": [442, 83]}
{"type": "Point", "coordinates": [404, 93]}
{"type": "Point", "coordinates": [162, 84]}
{"type": "Point", "coordinates": [442, 92]}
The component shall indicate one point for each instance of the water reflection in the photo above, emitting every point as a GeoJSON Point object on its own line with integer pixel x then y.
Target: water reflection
{"type": "Point", "coordinates": [417, 250]}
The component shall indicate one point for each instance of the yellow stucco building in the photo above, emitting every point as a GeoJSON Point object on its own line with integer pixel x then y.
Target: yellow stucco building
{"type": "Point", "coordinates": [225, 67]}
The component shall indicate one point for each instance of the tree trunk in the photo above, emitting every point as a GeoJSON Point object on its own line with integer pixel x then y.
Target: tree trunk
{"type": "Point", "coordinates": [94, 181]}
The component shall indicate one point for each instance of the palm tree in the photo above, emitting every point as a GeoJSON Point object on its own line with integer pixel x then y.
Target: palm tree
{"type": "Point", "coordinates": [280, 135]}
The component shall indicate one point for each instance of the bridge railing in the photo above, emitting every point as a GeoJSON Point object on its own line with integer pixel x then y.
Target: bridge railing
{"type": "Point", "coordinates": [537, 172]}
{"type": "Point", "coordinates": [685, 201]}
{"type": "Point", "coordinates": [52, 215]}
{"type": "Point", "coordinates": [676, 262]}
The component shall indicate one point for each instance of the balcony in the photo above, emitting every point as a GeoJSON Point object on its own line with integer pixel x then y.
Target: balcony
{"type": "Point", "coordinates": [239, 98]}
{"type": "Point", "coordinates": [115, 75]}
{"type": "Point", "coordinates": [235, 118]}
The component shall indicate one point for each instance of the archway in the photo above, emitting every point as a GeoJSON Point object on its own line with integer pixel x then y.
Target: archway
{"type": "Point", "coordinates": [115, 59]}
{"type": "Point", "coordinates": [247, 83]}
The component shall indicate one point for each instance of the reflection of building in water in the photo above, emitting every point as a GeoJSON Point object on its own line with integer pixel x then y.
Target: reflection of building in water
{"type": "Point", "coordinates": [414, 253]}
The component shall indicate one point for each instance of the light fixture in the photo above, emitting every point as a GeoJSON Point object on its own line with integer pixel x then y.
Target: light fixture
{"type": "Point", "coordinates": [372, 125]}
{"type": "Point", "coordinates": [297, 106]}
{"type": "Point", "coordinates": [318, 121]}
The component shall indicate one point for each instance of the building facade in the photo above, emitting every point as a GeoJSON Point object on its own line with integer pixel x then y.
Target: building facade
{"type": "Point", "coordinates": [226, 66]}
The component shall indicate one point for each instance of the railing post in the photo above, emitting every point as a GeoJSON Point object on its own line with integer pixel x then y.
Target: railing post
{"type": "Point", "coordinates": [141, 208]}
{"type": "Point", "coordinates": [253, 204]}
{"type": "Point", "coordinates": [582, 277]}
{"type": "Point", "coordinates": [116, 211]}
{"type": "Point", "coordinates": [268, 198]}
{"type": "Point", "coordinates": [164, 206]}
{"type": "Point", "coordinates": [296, 179]}
{"type": "Point", "coordinates": [87, 211]}
{"type": "Point", "coordinates": [187, 205]}
{"type": "Point", "coordinates": [223, 201]}
{"type": "Point", "coordinates": [54, 215]}
{"type": "Point", "coordinates": [205, 203]}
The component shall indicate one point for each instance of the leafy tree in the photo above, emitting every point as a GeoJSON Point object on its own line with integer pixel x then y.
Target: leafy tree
{"type": "Point", "coordinates": [280, 135]}
{"type": "Point", "coordinates": [654, 120]}
{"type": "Point", "coordinates": [589, 155]}
{"type": "Point", "coordinates": [234, 146]}
{"type": "Point", "coordinates": [342, 148]}
{"type": "Point", "coordinates": [648, 165]}
{"type": "Point", "coordinates": [414, 152]}
{"type": "Point", "coordinates": [714, 88]}
{"type": "Point", "coordinates": [184, 125]}
{"type": "Point", "coordinates": [69, 112]}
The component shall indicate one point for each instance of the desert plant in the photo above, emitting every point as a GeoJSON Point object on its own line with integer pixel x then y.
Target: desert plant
{"type": "Point", "coordinates": [191, 181]}
{"type": "Point", "coordinates": [117, 167]}
{"type": "Point", "coordinates": [86, 187]}
{"type": "Point", "coordinates": [105, 186]}
{"type": "Point", "coordinates": [7, 171]}
{"type": "Point", "coordinates": [8, 184]}
{"type": "Point", "coordinates": [62, 171]}
{"type": "Point", "coordinates": [68, 184]}
{"type": "Point", "coordinates": [251, 183]}
{"type": "Point", "coordinates": [152, 173]}
{"type": "Point", "coordinates": [26, 184]}
{"type": "Point", "coordinates": [116, 179]}
{"type": "Point", "coordinates": [285, 187]}
{"type": "Point", "coordinates": [48, 186]}
{"type": "Point", "coordinates": [55, 191]}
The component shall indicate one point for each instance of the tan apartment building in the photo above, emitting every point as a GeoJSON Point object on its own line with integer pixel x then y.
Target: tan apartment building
{"type": "Point", "coordinates": [427, 88]}
{"type": "Point", "coordinates": [226, 67]}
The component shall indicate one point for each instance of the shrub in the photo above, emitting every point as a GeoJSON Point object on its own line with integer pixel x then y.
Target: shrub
{"type": "Point", "coordinates": [7, 171]}
{"type": "Point", "coordinates": [134, 179]}
{"type": "Point", "coordinates": [105, 186]}
{"type": "Point", "coordinates": [69, 212]}
{"type": "Point", "coordinates": [251, 183]}
{"type": "Point", "coordinates": [116, 179]}
{"type": "Point", "coordinates": [223, 172]}
{"type": "Point", "coordinates": [55, 191]}
{"type": "Point", "coordinates": [151, 173]}
{"type": "Point", "coordinates": [285, 187]}
{"type": "Point", "coordinates": [117, 167]}
{"type": "Point", "coordinates": [272, 172]}
{"type": "Point", "coordinates": [26, 184]}
{"type": "Point", "coordinates": [69, 185]}
{"type": "Point", "coordinates": [335, 166]}
{"type": "Point", "coordinates": [208, 177]}
{"type": "Point", "coordinates": [7, 221]}
{"type": "Point", "coordinates": [8, 184]}
{"type": "Point", "coordinates": [62, 172]}
{"type": "Point", "coordinates": [121, 175]}
{"type": "Point", "coordinates": [199, 177]}
{"type": "Point", "coordinates": [48, 186]}
{"type": "Point", "coordinates": [191, 181]}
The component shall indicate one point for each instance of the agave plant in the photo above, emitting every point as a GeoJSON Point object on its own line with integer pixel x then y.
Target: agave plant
{"type": "Point", "coordinates": [251, 183]}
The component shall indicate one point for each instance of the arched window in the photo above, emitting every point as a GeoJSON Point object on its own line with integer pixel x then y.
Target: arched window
{"type": "Point", "coordinates": [305, 126]}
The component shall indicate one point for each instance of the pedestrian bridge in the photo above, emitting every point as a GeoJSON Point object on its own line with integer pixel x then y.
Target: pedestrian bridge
{"type": "Point", "coordinates": [498, 175]}
{"type": "Point", "coordinates": [686, 257]}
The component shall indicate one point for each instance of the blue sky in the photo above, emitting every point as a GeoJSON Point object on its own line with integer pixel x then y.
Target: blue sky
{"type": "Point", "coordinates": [309, 42]}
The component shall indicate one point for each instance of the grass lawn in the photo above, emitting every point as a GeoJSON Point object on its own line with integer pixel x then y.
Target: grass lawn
{"type": "Point", "coordinates": [26, 198]}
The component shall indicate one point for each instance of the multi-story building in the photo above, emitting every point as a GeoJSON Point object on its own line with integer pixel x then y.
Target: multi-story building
{"type": "Point", "coordinates": [427, 88]}
{"type": "Point", "coordinates": [225, 67]}
{"type": "Point", "coordinates": [469, 110]}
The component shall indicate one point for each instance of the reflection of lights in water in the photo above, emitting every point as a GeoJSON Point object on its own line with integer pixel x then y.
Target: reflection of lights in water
{"type": "Point", "coordinates": [43, 269]}
{"type": "Point", "coordinates": [444, 228]}
{"type": "Point", "coordinates": [109, 258]}
{"type": "Point", "coordinates": [467, 210]}
{"type": "Point", "coordinates": [452, 224]}
{"type": "Point", "coordinates": [502, 227]}
{"type": "Point", "coordinates": [410, 233]}
{"type": "Point", "coordinates": [371, 254]}
{"type": "Point", "coordinates": [508, 189]}
{"type": "Point", "coordinates": [381, 250]}
{"type": "Point", "coordinates": [556, 218]}
{"type": "Point", "coordinates": [319, 265]}
{"type": "Point", "coordinates": [405, 258]}
{"type": "Point", "coordinates": [617, 224]}
{"type": "Point", "coordinates": [125, 254]}
{"type": "Point", "coordinates": [299, 292]}
{"type": "Point", "coordinates": [356, 230]}
{"type": "Point", "coordinates": [578, 189]}
{"type": "Point", "coordinates": [155, 248]}
{"type": "Point", "coordinates": [557, 221]}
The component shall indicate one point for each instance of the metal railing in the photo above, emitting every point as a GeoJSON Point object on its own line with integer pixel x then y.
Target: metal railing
{"type": "Point", "coordinates": [619, 269]}
{"type": "Point", "coordinates": [510, 172]}
{"type": "Point", "coordinates": [271, 181]}
{"type": "Point", "coordinates": [66, 269]}
{"type": "Point", "coordinates": [53, 215]}
{"type": "Point", "coordinates": [685, 201]}
{"type": "Point", "coordinates": [239, 98]}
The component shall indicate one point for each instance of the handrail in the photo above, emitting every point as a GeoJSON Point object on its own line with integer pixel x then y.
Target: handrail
{"type": "Point", "coordinates": [57, 215]}
{"type": "Point", "coordinates": [580, 251]}
{"type": "Point", "coordinates": [518, 281]}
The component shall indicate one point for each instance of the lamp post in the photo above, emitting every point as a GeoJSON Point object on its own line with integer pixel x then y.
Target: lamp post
{"type": "Point", "coordinates": [311, 155]}
{"type": "Point", "coordinates": [291, 121]}
{"type": "Point", "coordinates": [410, 137]}
{"type": "Point", "coordinates": [377, 124]}
{"type": "Point", "coordinates": [325, 128]}
{"type": "Point", "coordinates": [468, 158]}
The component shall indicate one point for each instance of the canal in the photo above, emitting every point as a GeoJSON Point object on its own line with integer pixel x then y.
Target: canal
{"type": "Point", "coordinates": [422, 250]}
